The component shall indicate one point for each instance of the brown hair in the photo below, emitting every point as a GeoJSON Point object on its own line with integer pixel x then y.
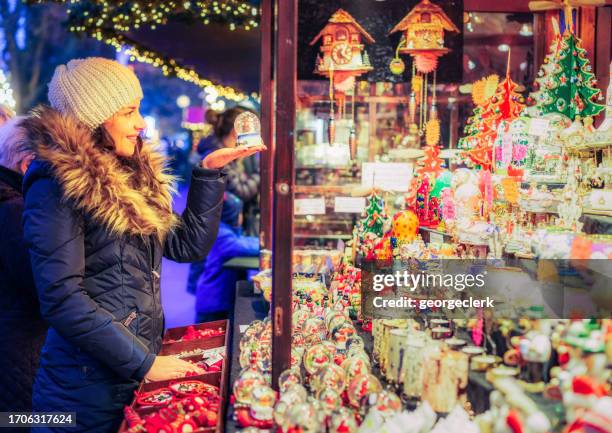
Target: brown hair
{"type": "Point", "coordinates": [142, 171]}
{"type": "Point", "coordinates": [223, 123]}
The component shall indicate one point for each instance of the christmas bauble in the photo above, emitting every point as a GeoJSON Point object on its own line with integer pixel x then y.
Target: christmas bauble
{"type": "Point", "coordinates": [397, 66]}
{"type": "Point", "coordinates": [361, 386]}
{"type": "Point", "coordinates": [561, 104]}
{"type": "Point", "coordinates": [405, 226]}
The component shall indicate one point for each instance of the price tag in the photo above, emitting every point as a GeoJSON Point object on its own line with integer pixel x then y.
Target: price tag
{"type": "Point", "coordinates": [388, 176]}
{"type": "Point", "coordinates": [213, 359]}
{"type": "Point", "coordinates": [243, 328]}
{"type": "Point", "coordinates": [436, 238]}
{"type": "Point", "coordinates": [349, 204]}
{"type": "Point", "coordinates": [309, 206]}
{"type": "Point", "coordinates": [213, 352]}
{"type": "Point", "coordinates": [539, 127]}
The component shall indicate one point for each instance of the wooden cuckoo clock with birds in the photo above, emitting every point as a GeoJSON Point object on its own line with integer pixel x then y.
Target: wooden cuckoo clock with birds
{"type": "Point", "coordinates": [342, 51]}
{"type": "Point", "coordinates": [342, 58]}
{"type": "Point", "coordinates": [422, 37]}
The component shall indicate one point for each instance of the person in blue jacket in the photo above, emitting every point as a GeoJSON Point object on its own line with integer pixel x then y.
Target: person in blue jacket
{"type": "Point", "coordinates": [216, 286]}
{"type": "Point", "coordinates": [242, 177]}
{"type": "Point", "coordinates": [97, 220]}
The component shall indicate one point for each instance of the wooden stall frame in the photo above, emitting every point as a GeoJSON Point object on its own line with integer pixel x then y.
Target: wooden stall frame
{"type": "Point", "coordinates": [267, 121]}
{"type": "Point", "coordinates": [284, 181]}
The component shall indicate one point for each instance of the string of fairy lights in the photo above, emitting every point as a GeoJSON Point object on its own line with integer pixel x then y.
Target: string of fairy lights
{"type": "Point", "coordinates": [109, 21]}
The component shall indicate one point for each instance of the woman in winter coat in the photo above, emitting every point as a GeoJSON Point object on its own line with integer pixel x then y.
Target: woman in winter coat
{"type": "Point", "coordinates": [98, 219]}
{"type": "Point", "coordinates": [22, 330]}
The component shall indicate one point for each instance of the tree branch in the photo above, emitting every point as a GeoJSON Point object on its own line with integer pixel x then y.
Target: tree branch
{"type": "Point", "coordinates": [36, 61]}
{"type": "Point", "coordinates": [10, 24]}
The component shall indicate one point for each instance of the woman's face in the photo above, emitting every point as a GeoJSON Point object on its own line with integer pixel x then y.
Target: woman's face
{"type": "Point", "coordinates": [125, 127]}
{"type": "Point", "coordinates": [231, 139]}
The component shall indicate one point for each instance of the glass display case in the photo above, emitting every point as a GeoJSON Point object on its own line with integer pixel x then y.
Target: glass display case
{"type": "Point", "coordinates": [331, 144]}
{"type": "Point", "coordinates": [377, 111]}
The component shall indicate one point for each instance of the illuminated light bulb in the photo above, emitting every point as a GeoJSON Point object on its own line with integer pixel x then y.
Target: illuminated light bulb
{"type": "Point", "coordinates": [526, 30]}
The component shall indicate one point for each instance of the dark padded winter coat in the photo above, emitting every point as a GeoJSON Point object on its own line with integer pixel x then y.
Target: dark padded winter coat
{"type": "Point", "coordinates": [22, 330]}
{"type": "Point", "coordinates": [97, 231]}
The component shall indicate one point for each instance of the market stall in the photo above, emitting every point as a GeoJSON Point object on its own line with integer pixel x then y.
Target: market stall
{"type": "Point", "coordinates": [384, 160]}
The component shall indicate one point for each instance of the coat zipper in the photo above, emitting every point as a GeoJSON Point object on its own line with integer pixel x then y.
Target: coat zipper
{"type": "Point", "coordinates": [153, 274]}
{"type": "Point", "coordinates": [129, 319]}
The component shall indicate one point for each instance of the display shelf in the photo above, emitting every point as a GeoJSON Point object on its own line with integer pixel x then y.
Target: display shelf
{"type": "Point", "coordinates": [602, 213]}
{"type": "Point", "coordinates": [427, 232]}
{"type": "Point", "coordinates": [218, 378]}
{"type": "Point", "coordinates": [597, 224]}
{"type": "Point", "coordinates": [248, 307]}
{"type": "Point", "coordinates": [326, 189]}
{"type": "Point", "coordinates": [321, 236]}
{"type": "Point", "coordinates": [479, 389]}
{"type": "Point", "coordinates": [366, 98]}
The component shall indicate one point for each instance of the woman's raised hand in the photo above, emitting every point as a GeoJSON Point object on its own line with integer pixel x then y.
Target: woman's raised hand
{"type": "Point", "coordinates": [170, 367]}
{"type": "Point", "coordinates": [222, 157]}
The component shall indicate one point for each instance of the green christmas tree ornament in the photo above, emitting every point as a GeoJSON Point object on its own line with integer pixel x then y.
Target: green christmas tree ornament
{"type": "Point", "coordinates": [569, 88]}
{"type": "Point", "coordinates": [374, 216]}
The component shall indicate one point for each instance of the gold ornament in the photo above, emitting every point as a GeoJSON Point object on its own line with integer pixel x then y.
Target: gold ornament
{"type": "Point", "coordinates": [484, 88]}
{"type": "Point", "coordinates": [397, 66]}
{"type": "Point", "coordinates": [405, 226]}
{"type": "Point", "coordinates": [417, 85]}
{"type": "Point", "coordinates": [478, 91]}
{"type": "Point", "coordinates": [492, 81]}
{"type": "Point", "coordinates": [432, 132]}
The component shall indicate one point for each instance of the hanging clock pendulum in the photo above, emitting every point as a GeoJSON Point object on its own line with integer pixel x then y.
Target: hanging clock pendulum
{"type": "Point", "coordinates": [331, 125]}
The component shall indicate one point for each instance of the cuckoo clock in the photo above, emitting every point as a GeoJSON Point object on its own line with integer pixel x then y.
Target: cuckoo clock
{"type": "Point", "coordinates": [342, 58]}
{"type": "Point", "coordinates": [423, 38]}
{"type": "Point", "coordinates": [342, 51]}
{"type": "Point", "coordinates": [423, 34]}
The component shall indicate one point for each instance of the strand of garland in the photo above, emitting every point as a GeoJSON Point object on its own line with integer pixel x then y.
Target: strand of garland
{"type": "Point", "coordinates": [107, 21]}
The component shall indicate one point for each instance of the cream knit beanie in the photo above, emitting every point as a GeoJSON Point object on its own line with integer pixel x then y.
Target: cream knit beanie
{"type": "Point", "coordinates": [93, 89]}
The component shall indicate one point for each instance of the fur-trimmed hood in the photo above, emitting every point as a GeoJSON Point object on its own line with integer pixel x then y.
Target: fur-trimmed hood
{"type": "Point", "coordinates": [97, 182]}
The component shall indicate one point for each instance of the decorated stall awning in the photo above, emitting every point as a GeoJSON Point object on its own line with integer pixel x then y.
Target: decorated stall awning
{"type": "Point", "coordinates": [209, 43]}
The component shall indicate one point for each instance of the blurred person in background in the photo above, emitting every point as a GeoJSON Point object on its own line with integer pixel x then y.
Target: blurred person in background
{"type": "Point", "coordinates": [242, 176]}
{"type": "Point", "coordinates": [215, 287]}
{"type": "Point", "coordinates": [22, 329]}
{"type": "Point", "coordinates": [5, 114]}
